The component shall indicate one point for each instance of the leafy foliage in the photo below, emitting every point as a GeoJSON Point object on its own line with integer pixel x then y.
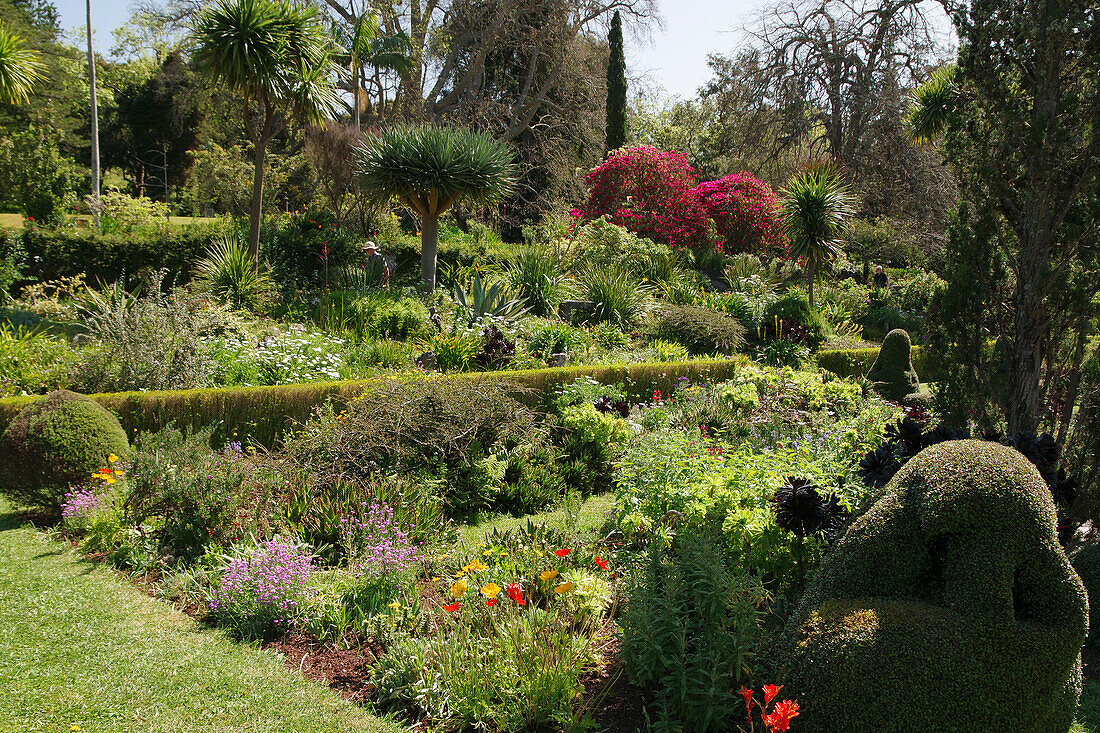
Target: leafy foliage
{"type": "Point", "coordinates": [231, 274]}
{"type": "Point", "coordinates": [746, 213]}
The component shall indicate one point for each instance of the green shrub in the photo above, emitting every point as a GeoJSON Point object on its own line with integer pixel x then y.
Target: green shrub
{"type": "Point", "coordinates": [402, 318]}
{"type": "Point", "coordinates": [701, 330]}
{"type": "Point", "coordinates": [54, 254]}
{"type": "Point", "coordinates": [309, 248]}
{"type": "Point", "coordinates": [55, 443]}
{"type": "Point", "coordinates": [950, 591]}
{"type": "Point", "coordinates": [1085, 559]}
{"type": "Point", "coordinates": [620, 297]}
{"type": "Point", "coordinates": [34, 362]}
{"type": "Point", "coordinates": [232, 276]}
{"type": "Point", "coordinates": [669, 350]}
{"type": "Point", "coordinates": [795, 308]}
{"type": "Point", "coordinates": [538, 278]}
{"type": "Point", "coordinates": [892, 373]}
{"type": "Point", "coordinates": [11, 262]}
{"type": "Point", "coordinates": [690, 630]}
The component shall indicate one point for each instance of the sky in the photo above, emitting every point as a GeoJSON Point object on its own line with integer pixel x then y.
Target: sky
{"type": "Point", "coordinates": [673, 58]}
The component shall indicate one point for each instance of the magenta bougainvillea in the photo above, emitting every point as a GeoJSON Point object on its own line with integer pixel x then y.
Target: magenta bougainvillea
{"type": "Point", "coordinates": [651, 193]}
{"type": "Point", "coordinates": [745, 211]}
{"type": "Point", "coordinates": [657, 195]}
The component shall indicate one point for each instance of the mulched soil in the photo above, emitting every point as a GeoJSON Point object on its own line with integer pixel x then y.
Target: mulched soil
{"type": "Point", "coordinates": [617, 705]}
{"type": "Point", "coordinates": [344, 670]}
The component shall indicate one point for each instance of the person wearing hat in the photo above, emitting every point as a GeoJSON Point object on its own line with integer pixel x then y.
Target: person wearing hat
{"type": "Point", "coordinates": [882, 280]}
{"type": "Point", "coordinates": [375, 263]}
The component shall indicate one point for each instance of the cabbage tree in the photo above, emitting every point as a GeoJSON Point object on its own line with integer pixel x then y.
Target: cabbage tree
{"type": "Point", "coordinates": [429, 169]}
{"type": "Point", "coordinates": [20, 68]}
{"type": "Point", "coordinates": [278, 56]}
{"type": "Point", "coordinates": [816, 206]}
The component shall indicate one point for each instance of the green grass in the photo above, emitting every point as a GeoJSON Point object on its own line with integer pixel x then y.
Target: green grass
{"type": "Point", "coordinates": [78, 646]}
{"type": "Point", "coordinates": [575, 519]}
{"type": "Point", "coordinates": [1088, 714]}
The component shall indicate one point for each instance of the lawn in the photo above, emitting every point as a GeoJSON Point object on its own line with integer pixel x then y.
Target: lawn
{"type": "Point", "coordinates": [80, 647]}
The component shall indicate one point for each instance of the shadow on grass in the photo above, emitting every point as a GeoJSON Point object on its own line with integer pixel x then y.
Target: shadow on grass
{"type": "Point", "coordinates": [1088, 713]}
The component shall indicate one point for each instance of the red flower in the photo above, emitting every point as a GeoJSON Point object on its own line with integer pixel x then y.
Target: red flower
{"type": "Point", "coordinates": [601, 563]}
{"type": "Point", "coordinates": [747, 694]}
{"type": "Point", "coordinates": [562, 553]}
{"type": "Point", "coordinates": [453, 607]}
{"type": "Point", "coordinates": [770, 691]}
{"type": "Point", "coordinates": [780, 719]}
{"type": "Point", "coordinates": [491, 602]}
{"type": "Point", "coordinates": [515, 592]}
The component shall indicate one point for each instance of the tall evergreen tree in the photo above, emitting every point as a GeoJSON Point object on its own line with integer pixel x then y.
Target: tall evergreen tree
{"type": "Point", "coordinates": [616, 86]}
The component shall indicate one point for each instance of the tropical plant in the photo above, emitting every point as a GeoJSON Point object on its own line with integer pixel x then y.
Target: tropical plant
{"type": "Point", "coordinates": [538, 278]}
{"type": "Point", "coordinates": [618, 296]}
{"type": "Point", "coordinates": [366, 45]}
{"type": "Point", "coordinates": [487, 299]}
{"type": "Point", "coordinates": [230, 273]}
{"type": "Point", "coordinates": [816, 205]}
{"type": "Point", "coordinates": [277, 56]}
{"type": "Point", "coordinates": [430, 169]}
{"type": "Point", "coordinates": [930, 105]}
{"type": "Point", "coordinates": [20, 68]}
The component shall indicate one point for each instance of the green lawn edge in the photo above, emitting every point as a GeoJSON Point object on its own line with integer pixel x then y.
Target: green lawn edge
{"type": "Point", "coordinates": [81, 647]}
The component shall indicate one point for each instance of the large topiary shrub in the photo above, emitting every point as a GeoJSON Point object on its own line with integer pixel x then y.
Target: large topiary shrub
{"type": "Point", "coordinates": [892, 373]}
{"type": "Point", "coordinates": [947, 606]}
{"type": "Point", "coordinates": [54, 443]}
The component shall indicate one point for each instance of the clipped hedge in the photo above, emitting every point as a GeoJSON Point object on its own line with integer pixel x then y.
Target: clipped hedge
{"type": "Point", "coordinates": [855, 363]}
{"type": "Point", "coordinates": [53, 254]}
{"type": "Point", "coordinates": [262, 414]}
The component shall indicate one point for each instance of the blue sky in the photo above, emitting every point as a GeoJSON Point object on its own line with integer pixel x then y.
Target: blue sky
{"type": "Point", "coordinates": [673, 58]}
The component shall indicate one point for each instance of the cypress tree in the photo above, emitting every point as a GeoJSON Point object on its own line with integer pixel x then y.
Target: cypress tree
{"type": "Point", "coordinates": [616, 86]}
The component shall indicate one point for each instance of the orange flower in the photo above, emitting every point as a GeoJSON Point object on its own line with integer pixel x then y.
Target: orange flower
{"type": "Point", "coordinates": [562, 553]}
{"type": "Point", "coordinates": [601, 563]}
{"type": "Point", "coordinates": [780, 719]}
{"type": "Point", "coordinates": [747, 694]}
{"type": "Point", "coordinates": [453, 607]}
{"type": "Point", "coordinates": [491, 602]}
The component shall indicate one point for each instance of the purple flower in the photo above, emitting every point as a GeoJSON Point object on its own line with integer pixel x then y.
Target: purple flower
{"type": "Point", "coordinates": [262, 587]}
{"type": "Point", "coordinates": [79, 504]}
{"type": "Point", "coordinates": [375, 541]}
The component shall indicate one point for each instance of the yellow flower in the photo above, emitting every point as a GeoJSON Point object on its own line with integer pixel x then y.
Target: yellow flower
{"type": "Point", "coordinates": [112, 458]}
{"type": "Point", "coordinates": [120, 473]}
{"type": "Point", "coordinates": [459, 589]}
{"type": "Point", "coordinates": [435, 579]}
{"type": "Point", "coordinates": [475, 566]}
{"type": "Point", "coordinates": [487, 553]}
{"type": "Point", "coordinates": [548, 574]}
{"type": "Point", "coordinates": [563, 588]}
{"type": "Point", "coordinates": [490, 590]}
{"type": "Point", "coordinates": [74, 726]}
{"type": "Point", "coordinates": [112, 481]}
{"type": "Point", "coordinates": [396, 605]}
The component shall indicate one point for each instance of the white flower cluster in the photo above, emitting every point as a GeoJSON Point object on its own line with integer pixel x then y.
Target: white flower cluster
{"type": "Point", "coordinates": [286, 359]}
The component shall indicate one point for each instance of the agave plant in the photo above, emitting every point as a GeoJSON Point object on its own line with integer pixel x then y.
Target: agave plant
{"type": "Point", "coordinates": [488, 298]}
{"type": "Point", "coordinates": [230, 272]}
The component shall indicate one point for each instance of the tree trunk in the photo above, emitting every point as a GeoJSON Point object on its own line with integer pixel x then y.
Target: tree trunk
{"type": "Point", "coordinates": [256, 211]}
{"type": "Point", "coordinates": [429, 245]}
{"type": "Point", "coordinates": [95, 121]}
{"type": "Point", "coordinates": [1024, 408]}
{"type": "Point", "coordinates": [355, 82]}
{"type": "Point", "coordinates": [810, 279]}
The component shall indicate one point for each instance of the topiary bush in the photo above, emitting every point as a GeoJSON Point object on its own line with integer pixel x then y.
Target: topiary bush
{"type": "Point", "coordinates": [54, 443]}
{"type": "Point", "coordinates": [948, 605]}
{"type": "Point", "coordinates": [794, 308]}
{"type": "Point", "coordinates": [892, 373]}
{"type": "Point", "coordinates": [701, 330]}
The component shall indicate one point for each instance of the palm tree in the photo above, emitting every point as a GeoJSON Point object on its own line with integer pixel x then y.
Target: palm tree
{"type": "Point", "coordinates": [430, 169]}
{"type": "Point", "coordinates": [20, 68]}
{"type": "Point", "coordinates": [816, 205]}
{"type": "Point", "coordinates": [276, 54]}
{"type": "Point", "coordinates": [367, 46]}
{"type": "Point", "coordinates": [931, 104]}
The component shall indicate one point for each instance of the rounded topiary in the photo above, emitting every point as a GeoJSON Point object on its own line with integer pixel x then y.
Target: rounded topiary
{"type": "Point", "coordinates": [794, 307]}
{"type": "Point", "coordinates": [54, 443]}
{"type": "Point", "coordinates": [892, 373]}
{"type": "Point", "coordinates": [948, 606]}
{"type": "Point", "coordinates": [1085, 559]}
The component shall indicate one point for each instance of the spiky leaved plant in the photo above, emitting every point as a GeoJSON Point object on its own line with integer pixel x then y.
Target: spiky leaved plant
{"type": "Point", "coordinates": [430, 169]}
{"type": "Point", "coordinates": [930, 104]}
{"type": "Point", "coordinates": [20, 68]}
{"type": "Point", "coordinates": [816, 206]}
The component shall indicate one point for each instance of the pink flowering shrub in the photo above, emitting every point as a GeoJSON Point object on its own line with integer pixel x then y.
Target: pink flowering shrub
{"type": "Point", "coordinates": [656, 195]}
{"type": "Point", "coordinates": [376, 544]}
{"type": "Point", "coordinates": [263, 592]}
{"type": "Point", "coordinates": [745, 211]}
{"type": "Point", "coordinates": [79, 505]}
{"type": "Point", "coordinates": [651, 193]}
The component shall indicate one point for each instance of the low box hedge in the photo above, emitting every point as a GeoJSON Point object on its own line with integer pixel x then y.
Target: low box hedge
{"type": "Point", "coordinates": [262, 414]}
